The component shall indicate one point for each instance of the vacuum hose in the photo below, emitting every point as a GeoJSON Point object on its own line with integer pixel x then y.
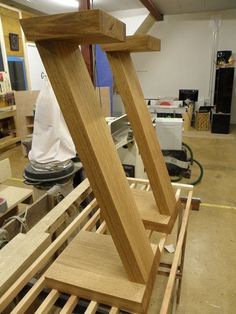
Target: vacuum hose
{"type": "Point", "coordinates": [192, 161]}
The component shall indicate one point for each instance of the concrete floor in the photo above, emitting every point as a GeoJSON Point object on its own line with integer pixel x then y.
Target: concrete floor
{"type": "Point", "coordinates": [209, 282]}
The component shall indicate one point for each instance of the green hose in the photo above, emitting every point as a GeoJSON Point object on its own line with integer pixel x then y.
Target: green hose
{"type": "Point", "coordinates": [199, 179]}
{"type": "Point", "coordinates": [190, 152]}
{"type": "Point", "coordinates": [192, 160]}
{"type": "Point", "coordinates": [176, 179]}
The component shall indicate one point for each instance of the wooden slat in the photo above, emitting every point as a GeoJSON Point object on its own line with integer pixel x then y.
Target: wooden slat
{"type": "Point", "coordinates": [28, 299]}
{"type": "Point", "coordinates": [56, 217]}
{"type": "Point", "coordinates": [135, 43]}
{"type": "Point", "coordinates": [25, 250]}
{"type": "Point", "coordinates": [177, 194]}
{"type": "Point", "coordinates": [114, 310]}
{"type": "Point", "coordinates": [70, 305]}
{"type": "Point", "coordinates": [140, 119]}
{"type": "Point", "coordinates": [133, 185]}
{"type": "Point", "coordinates": [47, 304]}
{"type": "Point", "coordinates": [137, 180]}
{"type": "Point", "coordinates": [87, 27]}
{"type": "Point", "coordinates": [143, 188]}
{"type": "Point", "coordinates": [170, 284]}
{"type": "Point", "coordinates": [92, 308]}
{"type": "Point", "coordinates": [92, 222]}
{"type": "Point", "coordinates": [182, 186]}
{"type": "Point", "coordinates": [65, 67]}
{"type": "Point", "coordinates": [42, 260]}
{"type": "Point", "coordinates": [102, 228]}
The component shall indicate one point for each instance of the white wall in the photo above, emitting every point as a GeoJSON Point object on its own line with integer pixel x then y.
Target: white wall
{"type": "Point", "coordinates": [35, 67]}
{"type": "Point", "coordinates": [132, 18]}
{"type": "Point", "coordinates": [185, 58]}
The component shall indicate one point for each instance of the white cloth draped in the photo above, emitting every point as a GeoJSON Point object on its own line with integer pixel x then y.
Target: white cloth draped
{"type": "Point", "coordinates": [51, 141]}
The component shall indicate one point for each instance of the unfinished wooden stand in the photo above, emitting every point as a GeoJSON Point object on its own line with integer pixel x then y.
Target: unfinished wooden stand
{"type": "Point", "coordinates": [131, 93]}
{"type": "Point", "coordinates": [75, 93]}
{"type": "Point", "coordinates": [134, 261]}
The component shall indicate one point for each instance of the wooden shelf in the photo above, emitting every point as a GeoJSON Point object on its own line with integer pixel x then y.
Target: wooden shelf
{"type": "Point", "coordinates": [8, 127]}
{"type": "Point", "coordinates": [25, 102]}
{"type": "Point", "coordinates": [7, 114]}
{"type": "Point", "coordinates": [8, 141]}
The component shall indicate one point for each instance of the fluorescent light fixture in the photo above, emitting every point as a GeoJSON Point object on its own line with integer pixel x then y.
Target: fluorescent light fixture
{"type": "Point", "coordinates": [67, 3]}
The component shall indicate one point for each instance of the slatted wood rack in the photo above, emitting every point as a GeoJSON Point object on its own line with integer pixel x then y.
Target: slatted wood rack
{"type": "Point", "coordinates": [61, 228]}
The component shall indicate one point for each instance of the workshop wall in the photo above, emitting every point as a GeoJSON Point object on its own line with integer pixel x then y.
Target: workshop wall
{"type": "Point", "coordinates": [185, 59]}
{"type": "Point", "coordinates": [132, 18]}
{"type": "Point", "coordinates": [11, 25]}
{"type": "Point", "coordinates": [12, 40]}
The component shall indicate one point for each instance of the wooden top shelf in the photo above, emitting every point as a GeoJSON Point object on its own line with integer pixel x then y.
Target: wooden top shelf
{"type": "Point", "coordinates": [135, 43]}
{"type": "Point", "coordinates": [88, 27]}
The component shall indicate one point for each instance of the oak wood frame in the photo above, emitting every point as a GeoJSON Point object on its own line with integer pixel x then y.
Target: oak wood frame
{"type": "Point", "coordinates": [131, 93]}
{"type": "Point", "coordinates": [57, 40]}
{"type": "Point", "coordinates": [73, 88]}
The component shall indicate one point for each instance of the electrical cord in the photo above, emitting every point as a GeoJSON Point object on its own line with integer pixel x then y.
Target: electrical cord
{"type": "Point", "coordinates": [21, 220]}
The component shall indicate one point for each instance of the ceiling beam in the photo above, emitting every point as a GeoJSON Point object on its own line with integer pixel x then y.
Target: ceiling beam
{"type": "Point", "coordinates": [153, 9]}
{"type": "Point", "coordinates": [87, 50]}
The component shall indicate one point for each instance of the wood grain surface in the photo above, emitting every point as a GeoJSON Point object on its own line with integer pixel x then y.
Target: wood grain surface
{"type": "Point", "coordinates": [76, 96]}
{"type": "Point", "coordinates": [88, 27]}
{"type": "Point", "coordinates": [132, 96]}
{"type": "Point", "coordinates": [135, 43]}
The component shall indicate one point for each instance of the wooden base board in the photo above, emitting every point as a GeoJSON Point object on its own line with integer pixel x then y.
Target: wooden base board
{"type": "Point", "coordinates": [90, 268]}
{"type": "Point", "coordinates": [150, 214]}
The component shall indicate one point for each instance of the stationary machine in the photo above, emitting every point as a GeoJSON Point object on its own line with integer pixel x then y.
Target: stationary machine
{"type": "Point", "coordinates": [169, 134]}
{"type": "Point", "coordinates": [178, 155]}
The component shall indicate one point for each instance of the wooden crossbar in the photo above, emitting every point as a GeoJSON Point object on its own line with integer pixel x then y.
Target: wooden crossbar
{"type": "Point", "coordinates": [135, 43]}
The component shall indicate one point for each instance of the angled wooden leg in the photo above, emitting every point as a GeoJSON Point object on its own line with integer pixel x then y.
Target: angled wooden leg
{"type": "Point", "coordinates": [75, 93]}
{"type": "Point", "coordinates": [130, 91]}
{"type": "Point", "coordinates": [140, 119]}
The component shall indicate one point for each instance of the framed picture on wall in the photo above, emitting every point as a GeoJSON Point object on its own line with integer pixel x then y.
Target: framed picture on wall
{"type": "Point", "coordinates": [14, 41]}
